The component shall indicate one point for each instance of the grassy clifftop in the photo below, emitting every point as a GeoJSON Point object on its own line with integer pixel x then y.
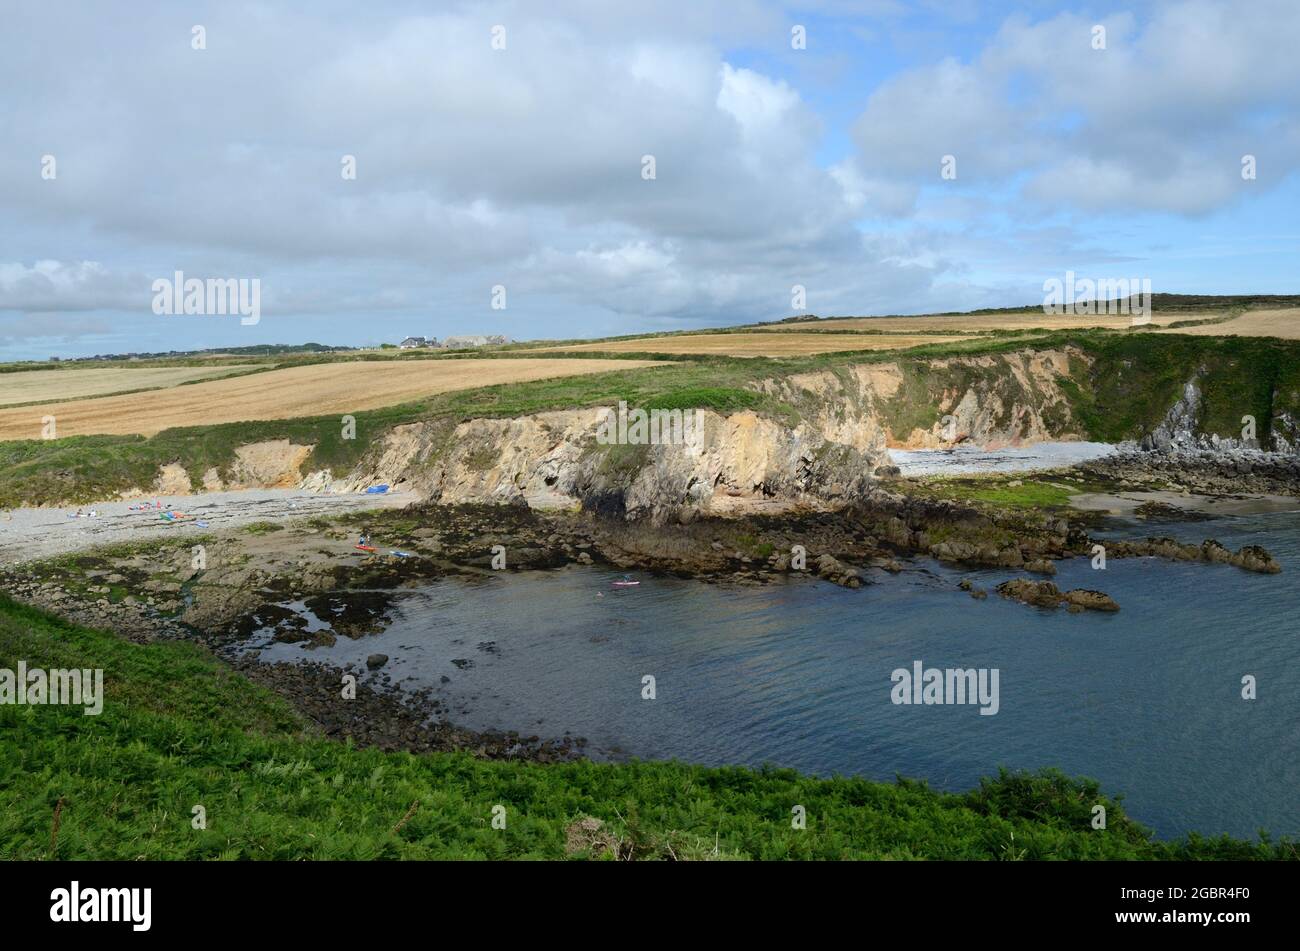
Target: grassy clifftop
{"type": "Point", "coordinates": [180, 730]}
{"type": "Point", "coordinates": [1122, 391]}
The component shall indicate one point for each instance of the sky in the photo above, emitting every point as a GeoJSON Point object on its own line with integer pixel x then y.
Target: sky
{"type": "Point", "coordinates": [577, 168]}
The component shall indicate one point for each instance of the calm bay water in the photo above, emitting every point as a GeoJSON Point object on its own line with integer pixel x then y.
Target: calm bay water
{"type": "Point", "coordinates": [797, 674]}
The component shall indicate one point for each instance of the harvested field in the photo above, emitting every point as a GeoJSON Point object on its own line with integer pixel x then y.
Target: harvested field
{"type": "Point", "coordinates": [290, 393]}
{"type": "Point", "coordinates": [1284, 323]}
{"type": "Point", "coordinates": [757, 344]}
{"type": "Point", "coordinates": [981, 322]}
{"type": "Point", "coordinates": [33, 386]}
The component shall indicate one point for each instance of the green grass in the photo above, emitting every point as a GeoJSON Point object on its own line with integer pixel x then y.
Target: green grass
{"type": "Point", "coordinates": [1137, 377]}
{"type": "Point", "coordinates": [721, 399]}
{"type": "Point", "coordinates": [1011, 491]}
{"type": "Point", "coordinates": [179, 730]}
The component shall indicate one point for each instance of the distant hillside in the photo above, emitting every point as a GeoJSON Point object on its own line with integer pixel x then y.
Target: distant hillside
{"type": "Point", "coordinates": [257, 350]}
{"type": "Point", "coordinates": [1159, 302]}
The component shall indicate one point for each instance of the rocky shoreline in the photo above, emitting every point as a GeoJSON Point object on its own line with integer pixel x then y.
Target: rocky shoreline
{"type": "Point", "coordinates": [247, 576]}
{"type": "Point", "coordinates": [1200, 471]}
{"type": "Point", "coordinates": [388, 718]}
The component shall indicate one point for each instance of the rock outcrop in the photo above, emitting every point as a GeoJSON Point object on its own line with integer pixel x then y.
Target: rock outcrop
{"type": "Point", "coordinates": [1201, 471]}
{"type": "Point", "coordinates": [1249, 557]}
{"type": "Point", "coordinates": [992, 400]}
{"type": "Point", "coordinates": [1045, 594]}
{"type": "Point", "coordinates": [740, 462]}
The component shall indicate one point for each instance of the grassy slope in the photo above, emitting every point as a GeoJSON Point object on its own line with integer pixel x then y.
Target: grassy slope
{"type": "Point", "coordinates": [179, 729]}
{"type": "Point", "coordinates": [1134, 379]}
{"type": "Point", "coordinates": [1139, 376]}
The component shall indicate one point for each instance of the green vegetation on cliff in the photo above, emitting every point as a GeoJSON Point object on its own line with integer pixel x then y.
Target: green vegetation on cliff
{"type": "Point", "coordinates": [179, 729]}
{"type": "Point", "coordinates": [1137, 377]}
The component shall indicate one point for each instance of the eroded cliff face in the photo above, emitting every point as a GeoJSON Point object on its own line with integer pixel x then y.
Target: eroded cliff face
{"type": "Point", "coordinates": [554, 459]}
{"type": "Point", "coordinates": [275, 464]}
{"type": "Point", "coordinates": [826, 451]}
{"type": "Point", "coordinates": [990, 400]}
{"type": "Point", "coordinates": [821, 444]}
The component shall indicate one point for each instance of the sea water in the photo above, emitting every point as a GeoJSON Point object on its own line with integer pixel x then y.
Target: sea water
{"type": "Point", "coordinates": [798, 673]}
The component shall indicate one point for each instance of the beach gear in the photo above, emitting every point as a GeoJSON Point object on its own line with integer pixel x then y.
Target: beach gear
{"type": "Point", "coordinates": [377, 489]}
{"type": "Point", "coordinates": [365, 548]}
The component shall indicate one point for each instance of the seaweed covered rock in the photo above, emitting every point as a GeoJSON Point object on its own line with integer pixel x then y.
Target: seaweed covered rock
{"type": "Point", "coordinates": [1045, 594]}
{"type": "Point", "coordinates": [1248, 558]}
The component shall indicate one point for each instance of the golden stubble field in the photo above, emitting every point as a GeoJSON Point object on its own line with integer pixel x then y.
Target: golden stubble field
{"type": "Point", "coordinates": [294, 392]}
{"type": "Point", "coordinates": [30, 386]}
{"type": "Point", "coordinates": [975, 323]}
{"type": "Point", "coordinates": [758, 344]}
{"type": "Point", "coordinates": [1281, 322]}
{"type": "Point", "coordinates": [1274, 322]}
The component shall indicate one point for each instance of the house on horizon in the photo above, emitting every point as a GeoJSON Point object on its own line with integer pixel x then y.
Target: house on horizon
{"type": "Point", "coordinates": [413, 343]}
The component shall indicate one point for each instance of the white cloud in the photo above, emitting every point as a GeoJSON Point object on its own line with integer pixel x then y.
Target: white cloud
{"type": "Point", "coordinates": [72, 285]}
{"type": "Point", "coordinates": [1157, 121]}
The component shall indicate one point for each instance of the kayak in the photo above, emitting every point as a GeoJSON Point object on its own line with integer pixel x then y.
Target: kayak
{"type": "Point", "coordinates": [626, 584]}
{"type": "Point", "coordinates": [365, 548]}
